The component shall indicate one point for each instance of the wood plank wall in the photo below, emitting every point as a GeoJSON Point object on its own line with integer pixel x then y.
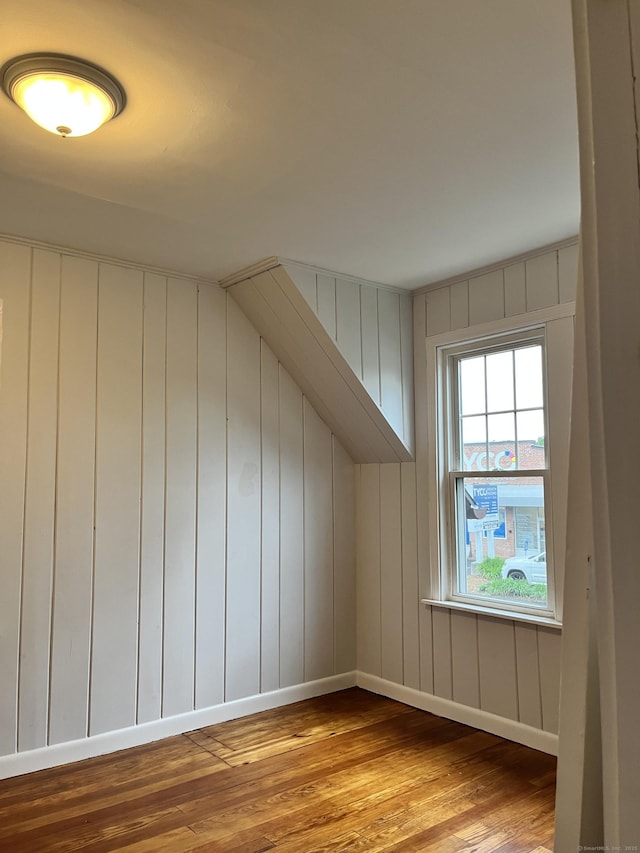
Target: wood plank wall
{"type": "Point", "coordinates": [500, 666]}
{"type": "Point", "coordinates": [174, 516]}
{"type": "Point", "coordinates": [373, 329]}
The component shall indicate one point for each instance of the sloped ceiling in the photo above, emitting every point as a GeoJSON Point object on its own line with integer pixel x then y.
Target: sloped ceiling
{"type": "Point", "coordinates": [401, 141]}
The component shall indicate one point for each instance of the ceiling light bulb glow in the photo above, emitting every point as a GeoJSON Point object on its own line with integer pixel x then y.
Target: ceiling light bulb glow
{"type": "Point", "coordinates": [66, 105]}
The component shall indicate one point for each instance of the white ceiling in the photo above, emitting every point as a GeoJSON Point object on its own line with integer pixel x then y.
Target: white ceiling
{"type": "Point", "coordinates": [402, 141]}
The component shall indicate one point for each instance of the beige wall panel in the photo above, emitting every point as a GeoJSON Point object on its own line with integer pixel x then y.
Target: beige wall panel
{"type": "Point", "coordinates": [37, 571]}
{"type": "Point", "coordinates": [180, 523]}
{"type": "Point", "coordinates": [72, 597]}
{"type": "Point", "coordinates": [153, 496]}
{"type": "Point", "coordinates": [305, 281]}
{"type": "Point", "coordinates": [559, 346]}
{"type": "Point", "coordinates": [291, 533]}
{"type": "Point", "coordinates": [368, 568]}
{"type": "Point", "coordinates": [497, 665]}
{"type": "Point", "coordinates": [549, 641]}
{"type": "Point", "coordinates": [391, 573]}
{"type": "Point", "coordinates": [326, 286]}
{"type": "Point", "coordinates": [542, 281]}
{"type": "Point", "coordinates": [344, 560]}
{"type": "Point", "coordinates": [464, 655]}
{"type": "Point", "coordinates": [515, 290]}
{"type": "Point", "coordinates": [211, 496]}
{"type": "Point", "coordinates": [117, 500]}
{"type": "Point", "coordinates": [442, 661]}
{"type": "Point", "coordinates": [348, 332]}
{"type": "Point", "coordinates": [269, 522]}
{"type": "Point", "coordinates": [15, 285]}
{"type": "Point", "coordinates": [568, 273]}
{"type": "Point", "coordinates": [486, 298]}
{"type": "Point", "coordinates": [370, 341]}
{"type": "Point", "coordinates": [438, 311]}
{"type": "Point", "coordinates": [459, 305]}
{"type": "Point", "coordinates": [529, 705]}
{"type": "Point", "coordinates": [390, 359]}
{"type": "Point", "coordinates": [410, 594]}
{"type": "Point", "coordinates": [406, 346]}
{"type": "Point", "coordinates": [318, 547]}
{"type": "Point", "coordinates": [243, 507]}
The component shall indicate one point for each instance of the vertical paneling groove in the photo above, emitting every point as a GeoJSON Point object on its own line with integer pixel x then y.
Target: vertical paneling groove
{"type": "Point", "coordinates": [38, 550]}
{"type": "Point", "coordinates": [15, 295]}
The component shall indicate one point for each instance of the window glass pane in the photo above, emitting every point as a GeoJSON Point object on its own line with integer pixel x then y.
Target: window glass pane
{"type": "Point", "coordinates": [501, 540]}
{"type": "Point", "coordinates": [529, 377]}
{"type": "Point", "coordinates": [472, 397]}
{"type": "Point", "coordinates": [500, 381]}
{"type": "Point", "coordinates": [531, 444]}
{"type": "Point", "coordinates": [502, 442]}
{"type": "Point", "coordinates": [474, 443]}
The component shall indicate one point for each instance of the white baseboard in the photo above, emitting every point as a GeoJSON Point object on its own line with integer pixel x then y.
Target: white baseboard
{"type": "Point", "coordinates": [77, 750]}
{"type": "Point", "coordinates": [509, 729]}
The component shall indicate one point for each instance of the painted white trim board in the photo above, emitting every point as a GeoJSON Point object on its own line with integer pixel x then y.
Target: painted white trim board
{"type": "Point", "coordinates": [77, 750]}
{"type": "Point", "coordinates": [509, 729]}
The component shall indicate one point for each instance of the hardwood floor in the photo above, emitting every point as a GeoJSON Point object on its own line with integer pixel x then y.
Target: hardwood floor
{"type": "Point", "coordinates": [351, 771]}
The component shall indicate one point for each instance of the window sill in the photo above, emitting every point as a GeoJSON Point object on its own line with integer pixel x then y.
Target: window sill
{"type": "Point", "coordinates": [509, 615]}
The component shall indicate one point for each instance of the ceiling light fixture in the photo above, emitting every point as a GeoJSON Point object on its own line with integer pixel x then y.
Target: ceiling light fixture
{"type": "Point", "coordinates": [64, 95]}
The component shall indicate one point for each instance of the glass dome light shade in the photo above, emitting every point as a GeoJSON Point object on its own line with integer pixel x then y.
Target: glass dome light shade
{"type": "Point", "coordinates": [64, 105]}
{"type": "Point", "coordinates": [63, 95]}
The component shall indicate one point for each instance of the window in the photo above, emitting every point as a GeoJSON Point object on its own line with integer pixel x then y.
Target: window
{"type": "Point", "coordinates": [493, 474]}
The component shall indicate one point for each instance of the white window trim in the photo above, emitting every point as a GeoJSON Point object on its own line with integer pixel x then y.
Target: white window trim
{"type": "Point", "coordinates": [558, 430]}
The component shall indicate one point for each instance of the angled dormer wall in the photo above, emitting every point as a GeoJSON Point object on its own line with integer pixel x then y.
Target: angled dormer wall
{"type": "Point", "coordinates": [348, 344]}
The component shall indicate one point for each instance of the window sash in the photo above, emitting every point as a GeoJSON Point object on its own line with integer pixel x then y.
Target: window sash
{"type": "Point", "coordinates": [454, 536]}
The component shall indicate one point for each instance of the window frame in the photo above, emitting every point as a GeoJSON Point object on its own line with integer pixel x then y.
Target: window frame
{"type": "Point", "coordinates": [435, 571]}
{"type": "Point", "coordinates": [450, 475]}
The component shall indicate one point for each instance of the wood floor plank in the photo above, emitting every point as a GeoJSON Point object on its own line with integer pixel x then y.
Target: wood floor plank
{"type": "Point", "coordinates": [346, 772]}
